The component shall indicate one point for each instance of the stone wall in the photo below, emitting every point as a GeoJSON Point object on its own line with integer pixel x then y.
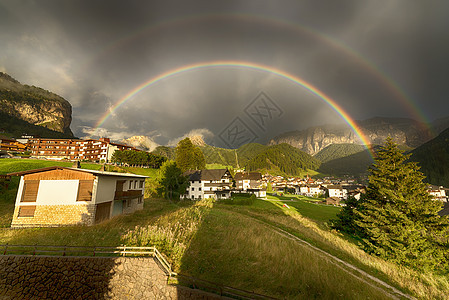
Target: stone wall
{"type": "Point", "coordinates": [44, 277]}
{"type": "Point", "coordinates": [56, 215]}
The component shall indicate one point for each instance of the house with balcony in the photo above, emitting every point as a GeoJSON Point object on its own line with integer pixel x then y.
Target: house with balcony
{"type": "Point", "coordinates": [75, 149]}
{"type": "Point", "coordinates": [250, 182]}
{"type": "Point", "coordinates": [60, 196]}
{"type": "Point", "coordinates": [209, 184]}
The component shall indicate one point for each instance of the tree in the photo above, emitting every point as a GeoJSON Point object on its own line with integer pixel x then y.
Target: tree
{"type": "Point", "coordinates": [398, 220]}
{"type": "Point", "coordinates": [172, 184]}
{"type": "Point", "coordinates": [189, 157]}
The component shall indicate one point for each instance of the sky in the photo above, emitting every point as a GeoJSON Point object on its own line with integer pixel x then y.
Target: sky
{"type": "Point", "coordinates": [387, 58]}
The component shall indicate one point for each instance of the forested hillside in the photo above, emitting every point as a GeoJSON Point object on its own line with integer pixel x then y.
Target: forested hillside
{"type": "Point", "coordinates": [336, 151]}
{"type": "Point", "coordinates": [433, 157]}
{"type": "Point", "coordinates": [284, 158]}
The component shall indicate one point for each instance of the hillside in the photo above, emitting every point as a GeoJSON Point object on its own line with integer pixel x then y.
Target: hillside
{"type": "Point", "coordinates": [433, 157]}
{"type": "Point", "coordinates": [168, 152]}
{"type": "Point", "coordinates": [407, 132]}
{"type": "Point", "coordinates": [35, 106]}
{"type": "Point", "coordinates": [284, 158]}
{"type": "Point", "coordinates": [336, 151]}
{"type": "Point", "coordinates": [355, 164]}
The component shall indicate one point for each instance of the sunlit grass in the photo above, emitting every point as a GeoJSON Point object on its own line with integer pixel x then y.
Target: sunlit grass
{"type": "Point", "coordinates": [11, 165]}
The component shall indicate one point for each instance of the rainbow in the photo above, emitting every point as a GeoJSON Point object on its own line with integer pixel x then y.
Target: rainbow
{"type": "Point", "coordinates": [247, 65]}
{"type": "Point", "coordinates": [408, 104]}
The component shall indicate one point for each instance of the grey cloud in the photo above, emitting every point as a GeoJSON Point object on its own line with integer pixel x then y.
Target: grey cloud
{"type": "Point", "coordinates": [93, 54]}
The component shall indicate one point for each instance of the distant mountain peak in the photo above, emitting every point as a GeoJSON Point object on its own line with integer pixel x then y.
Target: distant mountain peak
{"type": "Point", "coordinates": [141, 142]}
{"type": "Point", "coordinates": [197, 140]}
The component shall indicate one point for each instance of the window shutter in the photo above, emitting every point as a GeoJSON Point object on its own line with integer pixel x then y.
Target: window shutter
{"type": "Point", "coordinates": [30, 189]}
{"type": "Point", "coordinates": [27, 211]}
{"type": "Point", "coordinates": [85, 190]}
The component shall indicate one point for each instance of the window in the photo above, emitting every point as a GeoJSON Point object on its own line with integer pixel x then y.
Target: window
{"type": "Point", "coordinates": [199, 197]}
{"type": "Point", "coordinates": [85, 188]}
{"type": "Point", "coordinates": [130, 185]}
{"type": "Point", "coordinates": [199, 189]}
{"type": "Point", "coordinates": [193, 197]}
{"type": "Point", "coordinates": [30, 189]}
{"type": "Point", "coordinates": [26, 211]}
{"type": "Point", "coordinates": [193, 189]}
{"type": "Point", "coordinates": [141, 184]}
{"type": "Point", "coordinates": [135, 184]}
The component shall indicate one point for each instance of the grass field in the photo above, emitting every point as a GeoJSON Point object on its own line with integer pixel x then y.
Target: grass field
{"type": "Point", "coordinates": [235, 245]}
{"type": "Point", "coordinates": [17, 165]}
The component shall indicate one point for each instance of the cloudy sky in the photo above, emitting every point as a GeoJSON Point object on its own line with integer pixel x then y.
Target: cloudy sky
{"type": "Point", "coordinates": [373, 58]}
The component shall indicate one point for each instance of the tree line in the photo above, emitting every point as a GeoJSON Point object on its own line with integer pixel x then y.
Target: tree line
{"type": "Point", "coordinates": [139, 158]}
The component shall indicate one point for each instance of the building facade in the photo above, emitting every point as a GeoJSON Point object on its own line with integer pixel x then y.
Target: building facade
{"type": "Point", "coordinates": [59, 196]}
{"type": "Point", "coordinates": [74, 149]}
{"type": "Point", "coordinates": [209, 184]}
{"type": "Point", "coordinates": [250, 182]}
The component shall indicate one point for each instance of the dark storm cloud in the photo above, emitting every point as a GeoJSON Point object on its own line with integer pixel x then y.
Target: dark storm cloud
{"type": "Point", "coordinates": [95, 52]}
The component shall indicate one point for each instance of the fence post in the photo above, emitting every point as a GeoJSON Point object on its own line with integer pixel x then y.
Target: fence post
{"type": "Point", "coordinates": [6, 247]}
{"type": "Point", "coordinates": [124, 250]}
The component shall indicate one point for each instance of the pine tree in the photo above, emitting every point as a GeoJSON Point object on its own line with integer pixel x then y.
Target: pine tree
{"type": "Point", "coordinates": [398, 220]}
{"type": "Point", "coordinates": [172, 184]}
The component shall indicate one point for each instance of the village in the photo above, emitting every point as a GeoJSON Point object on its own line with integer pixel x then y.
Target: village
{"type": "Point", "coordinates": [90, 197]}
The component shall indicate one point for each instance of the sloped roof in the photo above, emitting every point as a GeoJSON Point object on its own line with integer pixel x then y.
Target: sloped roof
{"type": "Point", "coordinates": [248, 176]}
{"type": "Point", "coordinates": [101, 173]}
{"type": "Point", "coordinates": [216, 174]}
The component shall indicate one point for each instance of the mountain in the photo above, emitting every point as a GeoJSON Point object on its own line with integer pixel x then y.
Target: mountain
{"type": "Point", "coordinates": [407, 132]}
{"type": "Point", "coordinates": [433, 157]}
{"type": "Point", "coordinates": [284, 158]}
{"type": "Point", "coordinates": [33, 105]}
{"type": "Point", "coordinates": [141, 142]}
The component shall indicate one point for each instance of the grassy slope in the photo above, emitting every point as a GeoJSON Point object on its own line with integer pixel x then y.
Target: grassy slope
{"type": "Point", "coordinates": [16, 165]}
{"type": "Point", "coordinates": [227, 244]}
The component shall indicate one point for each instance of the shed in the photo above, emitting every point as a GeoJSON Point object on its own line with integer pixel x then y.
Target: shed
{"type": "Point", "coordinates": [59, 196]}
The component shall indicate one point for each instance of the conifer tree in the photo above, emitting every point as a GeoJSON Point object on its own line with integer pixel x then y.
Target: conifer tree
{"type": "Point", "coordinates": [172, 184]}
{"type": "Point", "coordinates": [398, 220]}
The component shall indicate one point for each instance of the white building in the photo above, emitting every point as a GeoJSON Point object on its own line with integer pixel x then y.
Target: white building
{"type": "Point", "coordinates": [209, 184]}
{"type": "Point", "coordinates": [250, 182]}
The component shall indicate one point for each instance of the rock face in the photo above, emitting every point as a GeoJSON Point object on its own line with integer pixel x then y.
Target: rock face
{"type": "Point", "coordinates": [197, 140]}
{"type": "Point", "coordinates": [404, 131]}
{"type": "Point", "coordinates": [34, 105]}
{"type": "Point", "coordinates": [141, 142]}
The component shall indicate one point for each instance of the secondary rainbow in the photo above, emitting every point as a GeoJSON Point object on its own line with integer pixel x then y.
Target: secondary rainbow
{"type": "Point", "coordinates": [407, 102]}
{"type": "Point", "coordinates": [246, 65]}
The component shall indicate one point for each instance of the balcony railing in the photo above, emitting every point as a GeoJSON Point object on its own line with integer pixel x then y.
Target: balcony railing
{"type": "Point", "coordinates": [131, 194]}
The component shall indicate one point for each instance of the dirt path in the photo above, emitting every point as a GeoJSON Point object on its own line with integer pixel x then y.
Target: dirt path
{"type": "Point", "coordinates": [354, 271]}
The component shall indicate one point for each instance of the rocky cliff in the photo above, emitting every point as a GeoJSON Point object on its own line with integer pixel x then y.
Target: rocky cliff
{"type": "Point", "coordinates": [141, 142]}
{"type": "Point", "coordinates": [407, 132]}
{"type": "Point", "coordinates": [35, 105]}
